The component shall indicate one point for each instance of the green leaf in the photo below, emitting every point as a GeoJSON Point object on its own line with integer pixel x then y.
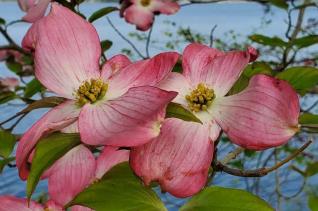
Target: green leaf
{"type": "Point", "coordinates": [119, 189]}
{"type": "Point", "coordinates": [7, 142]}
{"type": "Point", "coordinates": [7, 96]}
{"type": "Point", "coordinates": [269, 41]}
{"type": "Point", "coordinates": [2, 21]}
{"type": "Point", "coordinates": [308, 118]}
{"type": "Point", "coordinates": [305, 41]}
{"type": "Point", "coordinates": [102, 12]}
{"type": "Point", "coordinates": [312, 169]}
{"type": "Point", "coordinates": [225, 199]}
{"type": "Point", "coordinates": [106, 44]}
{"type": "Point", "coordinates": [313, 202]}
{"type": "Point", "coordinates": [32, 88]}
{"type": "Point", "coordinates": [248, 73]}
{"type": "Point", "coordinates": [14, 66]}
{"type": "Point", "coordinates": [5, 162]}
{"type": "Point", "coordinates": [47, 151]}
{"type": "Point", "coordinates": [301, 78]}
{"type": "Point", "coordinates": [279, 3]}
{"type": "Point", "coordinates": [178, 67]}
{"type": "Point", "coordinates": [178, 111]}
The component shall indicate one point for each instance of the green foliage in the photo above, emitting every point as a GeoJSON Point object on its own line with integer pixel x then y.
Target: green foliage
{"type": "Point", "coordinates": [101, 13]}
{"type": "Point", "coordinates": [32, 88]}
{"type": "Point", "coordinates": [313, 202]}
{"type": "Point", "coordinates": [248, 73]}
{"type": "Point", "coordinates": [4, 162]}
{"type": "Point", "coordinates": [301, 78]}
{"type": "Point", "coordinates": [305, 41]}
{"type": "Point", "coordinates": [269, 41]}
{"type": "Point", "coordinates": [310, 121]}
{"type": "Point", "coordinates": [7, 142]}
{"type": "Point", "coordinates": [2, 21]}
{"type": "Point", "coordinates": [119, 189]}
{"type": "Point", "coordinates": [106, 44]}
{"type": "Point", "coordinates": [225, 199]}
{"type": "Point", "coordinates": [47, 151]}
{"type": "Point", "coordinates": [312, 169]}
{"type": "Point", "coordinates": [279, 3]}
{"type": "Point", "coordinates": [178, 67]}
{"type": "Point", "coordinates": [14, 66]}
{"type": "Point", "coordinates": [7, 96]}
{"type": "Point", "coordinates": [178, 111]}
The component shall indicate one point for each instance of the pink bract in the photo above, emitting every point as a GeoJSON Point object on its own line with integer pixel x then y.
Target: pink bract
{"type": "Point", "coordinates": [131, 109]}
{"type": "Point", "coordinates": [70, 175]}
{"type": "Point", "coordinates": [263, 115]}
{"type": "Point", "coordinates": [35, 9]}
{"type": "Point", "coordinates": [141, 12]}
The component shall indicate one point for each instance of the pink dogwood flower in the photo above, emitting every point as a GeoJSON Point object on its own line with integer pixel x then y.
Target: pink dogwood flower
{"type": "Point", "coordinates": [35, 9]}
{"type": "Point", "coordinates": [7, 53]}
{"type": "Point", "coordinates": [118, 105]}
{"type": "Point", "coordinates": [141, 12]}
{"type": "Point", "coordinates": [68, 177]}
{"type": "Point", "coordinates": [263, 115]}
{"type": "Point", "coordinates": [8, 83]}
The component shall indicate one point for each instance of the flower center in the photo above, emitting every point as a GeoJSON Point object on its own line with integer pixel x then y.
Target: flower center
{"type": "Point", "coordinates": [200, 98]}
{"type": "Point", "coordinates": [90, 91]}
{"type": "Point", "coordinates": [145, 3]}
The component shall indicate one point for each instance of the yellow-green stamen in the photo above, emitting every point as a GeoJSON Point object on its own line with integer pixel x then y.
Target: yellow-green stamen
{"type": "Point", "coordinates": [145, 3]}
{"type": "Point", "coordinates": [200, 98]}
{"type": "Point", "coordinates": [90, 91]}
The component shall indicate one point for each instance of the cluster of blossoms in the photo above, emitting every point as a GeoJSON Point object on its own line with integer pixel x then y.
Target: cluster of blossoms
{"type": "Point", "coordinates": [122, 105]}
{"type": "Point", "coordinates": [138, 12]}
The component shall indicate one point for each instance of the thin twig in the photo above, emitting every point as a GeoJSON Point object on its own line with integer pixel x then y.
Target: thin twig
{"type": "Point", "coordinates": [211, 35]}
{"type": "Point", "coordinates": [148, 41]}
{"type": "Point", "coordinates": [124, 38]}
{"type": "Point", "coordinates": [261, 171]}
{"type": "Point", "coordinates": [232, 155]}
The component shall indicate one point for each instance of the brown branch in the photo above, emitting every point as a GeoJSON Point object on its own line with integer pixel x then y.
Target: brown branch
{"type": "Point", "coordinates": [261, 171]}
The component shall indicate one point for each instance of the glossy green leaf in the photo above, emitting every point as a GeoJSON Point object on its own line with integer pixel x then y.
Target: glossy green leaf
{"type": "Point", "coordinates": [4, 162]}
{"type": "Point", "coordinates": [7, 142]}
{"type": "Point", "coordinates": [251, 70]}
{"type": "Point", "coordinates": [313, 202]}
{"type": "Point", "coordinates": [102, 12]}
{"type": "Point", "coordinates": [32, 88]}
{"type": "Point", "coordinates": [178, 111]}
{"type": "Point", "coordinates": [312, 169]}
{"type": "Point", "coordinates": [301, 78]}
{"type": "Point", "coordinates": [269, 41]}
{"type": "Point", "coordinates": [47, 151]}
{"type": "Point", "coordinates": [279, 3]}
{"type": "Point", "coordinates": [106, 44]}
{"type": "Point", "coordinates": [119, 189]}
{"type": "Point", "coordinates": [225, 199]}
{"type": "Point", "coordinates": [305, 41]}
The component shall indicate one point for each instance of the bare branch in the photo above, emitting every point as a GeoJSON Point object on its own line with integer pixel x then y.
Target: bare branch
{"type": "Point", "coordinates": [261, 171]}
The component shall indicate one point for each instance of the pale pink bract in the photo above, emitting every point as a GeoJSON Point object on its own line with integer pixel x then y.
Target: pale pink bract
{"type": "Point", "coordinates": [67, 52]}
{"type": "Point", "coordinates": [263, 115]}
{"type": "Point", "coordinates": [142, 12]}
